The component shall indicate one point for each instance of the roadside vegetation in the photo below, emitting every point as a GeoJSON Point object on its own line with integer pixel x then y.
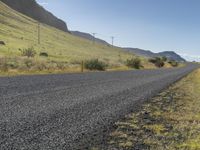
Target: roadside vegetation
{"type": "Point", "coordinates": [95, 64]}
{"type": "Point", "coordinates": [19, 40]}
{"type": "Point", "coordinates": [162, 61]}
{"type": "Point", "coordinates": [56, 51]}
{"type": "Point", "coordinates": [169, 121]}
{"type": "Point", "coordinates": [134, 63]}
{"type": "Point", "coordinates": [157, 61]}
{"type": "Point", "coordinates": [173, 63]}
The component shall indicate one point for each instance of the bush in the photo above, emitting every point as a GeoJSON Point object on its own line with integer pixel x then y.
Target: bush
{"type": "Point", "coordinates": [41, 66]}
{"type": "Point", "coordinates": [2, 43]}
{"type": "Point", "coordinates": [157, 61]}
{"type": "Point", "coordinates": [173, 63]}
{"type": "Point", "coordinates": [60, 65]}
{"type": "Point", "coordinates": [133, 63]}
{"type": "Point", "coordinates": [95, 64]}
{"type": "Point", "coordinates": [44, 54]}
{"type": "Point", "coordinates": [3, 65]}
{"type": "Point", "coordinates": [164, 58]}
{"type": "Point", "coordinates": [12, 65]}
{"type": "Point", "coordinates": [29, 52]}
{"type": "Point", "coordinates": [29, 63]}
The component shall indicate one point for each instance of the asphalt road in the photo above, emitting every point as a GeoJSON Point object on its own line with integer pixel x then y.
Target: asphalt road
{"type": "Point", "coordinates": [73, 111]}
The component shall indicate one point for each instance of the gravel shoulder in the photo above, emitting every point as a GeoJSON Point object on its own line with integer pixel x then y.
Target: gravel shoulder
{"type": "Point", "coordinates": [168, 121]}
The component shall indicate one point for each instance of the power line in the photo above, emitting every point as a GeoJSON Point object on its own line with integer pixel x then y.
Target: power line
{"type": "Point", "coordinates": [94, 34]}
{"type": "Point", "coordinates": [112, 37]}
{"type": "Point", "coordinates": [94, 37]}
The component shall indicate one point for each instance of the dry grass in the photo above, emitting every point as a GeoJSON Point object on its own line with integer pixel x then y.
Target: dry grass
{"type": "Point", "coordinates": [170, 121]}
{"type": "Point", "coordinates": [20, 32]}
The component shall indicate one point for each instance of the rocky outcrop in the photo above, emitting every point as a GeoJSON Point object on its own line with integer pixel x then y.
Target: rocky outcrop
{"type": "Point", "coordinates": [32, 9]}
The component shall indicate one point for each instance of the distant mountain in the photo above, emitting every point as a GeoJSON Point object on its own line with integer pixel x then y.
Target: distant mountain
{"type": "Point", "coordinates": [32, 9]}
{"type": "Point", "coordinates": [141, 52]}
{"type": "Point", "coordinates": [89, 37]}
{"type": "Point", "coordinates": [171, 55]}
{"type": "Point", "coordinates": [147, 53]}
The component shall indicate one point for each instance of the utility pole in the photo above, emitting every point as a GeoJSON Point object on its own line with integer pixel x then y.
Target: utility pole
{"type": "Point", "coordinates": [94, 34]}
{"type": "Point", "coordinates": [38, 33]}
{"type": "Point", "coordinates": [112, 37]}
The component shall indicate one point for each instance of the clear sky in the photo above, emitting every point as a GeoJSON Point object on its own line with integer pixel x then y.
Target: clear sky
{"type": "Point", "coordinates": [156, 25]}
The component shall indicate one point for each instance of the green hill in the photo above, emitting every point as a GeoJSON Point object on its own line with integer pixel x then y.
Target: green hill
{"type": "Point", "coordinates": [65, 50]}
{"type": "Point", "coordinates": [19, 31]}
{"type": "Point", "coordinates": [32, 9]}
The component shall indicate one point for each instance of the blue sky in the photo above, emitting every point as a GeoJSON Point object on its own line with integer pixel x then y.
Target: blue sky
{"type": "Point", "coordinates": [157, 25]}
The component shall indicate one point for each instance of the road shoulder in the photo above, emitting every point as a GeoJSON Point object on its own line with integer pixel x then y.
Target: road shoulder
{"type": "Point", "coordinates": [171, 120]}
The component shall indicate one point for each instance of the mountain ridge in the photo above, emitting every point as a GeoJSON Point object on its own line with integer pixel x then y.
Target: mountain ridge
{"type": "Point", "coordinates": [89, 37]}
{"type": "Point", "coordinates": [32, 9]}
{"type": "Point", "coordinates": [171, 55]}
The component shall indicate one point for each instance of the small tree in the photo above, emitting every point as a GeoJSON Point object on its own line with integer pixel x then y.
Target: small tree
{"type": "Point", "coordinates": [133, 63]}
{"type": "Point", "coordinates": [29, 52]}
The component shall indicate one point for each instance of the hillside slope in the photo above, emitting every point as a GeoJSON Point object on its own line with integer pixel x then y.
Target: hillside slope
{"type": "Point", "coordinates": [141, 52]}
{"type": "Point", "coordinates": [89, 37]}
{"type": "Point", "coordinates": [37, 12]}
{"type": "Point", "coordinates": [19, 31]}
{"type": "Point", "coordinates": [171, 55]}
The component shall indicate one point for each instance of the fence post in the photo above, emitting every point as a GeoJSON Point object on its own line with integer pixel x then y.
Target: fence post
{"type": "Point", "coordinates": [82, 66]}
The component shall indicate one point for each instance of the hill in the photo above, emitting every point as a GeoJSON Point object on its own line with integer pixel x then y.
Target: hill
{"type": "Point", "coordinates": [89, 37]}
{"type": "Point", "coordinates": [171, 55]}
{"type": "Point", "coordinates": [61, 51]}
{"type": "Point", "coordinates": [141, 52]}
{"type": "Point", "coordinates": [20, 32]}
{"type": "Point", "coordinates": [32, 9]}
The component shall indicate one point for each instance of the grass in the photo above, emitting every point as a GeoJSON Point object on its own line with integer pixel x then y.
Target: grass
{"type": "Point", "coordinates": [21, 32]}
{"type": "Point", "coordinates": [170, 121]}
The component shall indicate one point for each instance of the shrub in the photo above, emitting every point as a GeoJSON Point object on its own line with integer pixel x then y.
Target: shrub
{"type": "Point", "coordinates": [12, 64]}
{"type": "Point", "coordinates": [3, 65]}
{"type": "Point", "coordinates": [95, 64]}
{"type": "Point", "coordinates": [44, 54]}
{"type": "Point", "coordinates": [41, 66]}
{"type": "Point", "coordinates": [157, 61]}
{"type": "Point", "coordinates": [164, 58]}
{"type": "Point", "coordinates": [173, 63]}
{"type": "Point", "coordinates": [29, 63]}
{"type": "Point", "coordinates": [60, 65]}
{"type": "Point", "coordinates": [133, 63]}
{"type": "Point", "coordinates": [2, 43]}
{"type": "Point", "coordinates": [29, 52]}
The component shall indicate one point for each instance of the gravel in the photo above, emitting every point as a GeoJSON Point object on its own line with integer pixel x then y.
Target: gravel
{"type": "Point", "coordinates": [74, 111]}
